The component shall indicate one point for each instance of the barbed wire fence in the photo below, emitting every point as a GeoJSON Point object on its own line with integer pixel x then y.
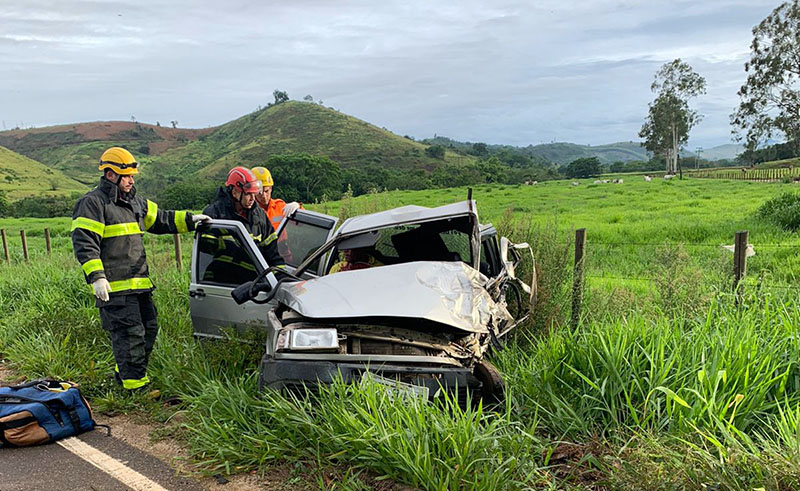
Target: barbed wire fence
{"type": "Point", "coordinates": [737, 270]}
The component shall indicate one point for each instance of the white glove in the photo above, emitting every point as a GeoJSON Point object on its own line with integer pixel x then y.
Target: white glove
{"type": "Point", "coordinates": [200, 218]}
{"type": "Point", "coordinates": [101, 289]}
{"type": "Point", "coordinates": [290, 208]}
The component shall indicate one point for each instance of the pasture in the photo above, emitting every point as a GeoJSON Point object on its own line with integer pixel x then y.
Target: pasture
{"type": "Point", "coordinates": [667, 383]}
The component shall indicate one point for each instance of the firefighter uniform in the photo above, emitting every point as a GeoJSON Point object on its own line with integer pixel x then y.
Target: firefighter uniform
{"type": "Point", "coordinates": [107, 231]}
{"type": "Point", "coordinates": [255, 222]}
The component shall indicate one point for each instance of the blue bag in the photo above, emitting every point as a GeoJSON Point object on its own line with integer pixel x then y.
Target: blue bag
{"type": "Point", "coordinates": [42, 411]}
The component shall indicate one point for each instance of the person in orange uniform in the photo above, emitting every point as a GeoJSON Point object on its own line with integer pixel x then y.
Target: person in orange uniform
{"type": "Point", "coordinates": [276, 209]}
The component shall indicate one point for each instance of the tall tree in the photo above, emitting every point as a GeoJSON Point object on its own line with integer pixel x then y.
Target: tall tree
{"type": "Point", "coordinates": [669, 119]}
{"type": "Point", "coordinates": [770, 98]}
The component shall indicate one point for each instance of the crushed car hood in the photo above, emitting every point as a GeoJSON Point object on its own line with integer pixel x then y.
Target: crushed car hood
{"type": "Point", "coordinates": [449, 293]}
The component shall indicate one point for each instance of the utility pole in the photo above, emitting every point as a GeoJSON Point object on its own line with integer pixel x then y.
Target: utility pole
{"type": "Point", "coordinates": [697, 157]}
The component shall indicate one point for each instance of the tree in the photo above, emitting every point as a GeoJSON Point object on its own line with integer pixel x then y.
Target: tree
{"type": "Point", "coordinates": [306, 178]}
{"type": "Point", "coordinates": [435, 151]}
{"type": "Point", "coordinates": [280, 96]}
{"type": "Point", "coordinates": [308, 98]}
{"type": "Point", "coordinates": [617, 166]}
{"type": "Point", "coordinates": [189, 194]}
{"type": "Point", "coordinates": [174, 124]}
{"type": "Point", "coordinates": [583, 168]}
{"type": "Point", "coordinates": [666, 129]}
{"type": "Point", "coordinates": [492, 170]}
{"type": "Point", "coordinates": [769, 101]}
{"type": "Point", "coordinates": [669, 120]}
{"type": "Point", "coordinates": [480, 149]}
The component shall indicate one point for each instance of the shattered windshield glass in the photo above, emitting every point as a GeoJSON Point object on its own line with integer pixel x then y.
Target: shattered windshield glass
{"type": "Point", "coordinates": [441, 240]}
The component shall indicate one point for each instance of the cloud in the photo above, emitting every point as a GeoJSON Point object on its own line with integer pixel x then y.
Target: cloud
{"type": "Point", "coordinates": [504, 72]}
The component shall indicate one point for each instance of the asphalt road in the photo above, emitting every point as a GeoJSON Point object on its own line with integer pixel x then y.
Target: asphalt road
{"type": "Point", "coordinates": [91, 461]}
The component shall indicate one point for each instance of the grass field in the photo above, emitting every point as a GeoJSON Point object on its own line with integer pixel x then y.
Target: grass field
{"type": "Point", "coordinates": [667, 383]}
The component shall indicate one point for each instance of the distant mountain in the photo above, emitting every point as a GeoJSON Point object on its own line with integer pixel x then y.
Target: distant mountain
{"type": "Point", "coordinates": [296, 127]}
{"type": "Point", "coordinates": [558, 153]}
{"type": "Point", "coordinates": [170, 154]}
{"type": "Point", "coordinates": [75, 148]}
{"type": "Point", "coordinates": [564, 153]}
{"type": "Point", "coordinates": [21, 176]}
{"type": "Point", "coordinates": [721, 152]}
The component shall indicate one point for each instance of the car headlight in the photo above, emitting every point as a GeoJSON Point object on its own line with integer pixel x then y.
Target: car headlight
{"type": "Point", "coordinates": [313, 339]}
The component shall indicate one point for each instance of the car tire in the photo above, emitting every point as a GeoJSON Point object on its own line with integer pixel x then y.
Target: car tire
{"type": "Point", "coordinates": [493, 386]}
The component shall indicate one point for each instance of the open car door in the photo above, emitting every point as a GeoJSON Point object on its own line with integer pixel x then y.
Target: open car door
{"type": "Point", "coordinates": [300, 235]}
{"type": "Point", "coordinates": [223, 257]}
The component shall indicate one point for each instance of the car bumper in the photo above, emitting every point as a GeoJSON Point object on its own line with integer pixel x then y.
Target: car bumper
{"type": "Point", "coordinates": [301, 376]}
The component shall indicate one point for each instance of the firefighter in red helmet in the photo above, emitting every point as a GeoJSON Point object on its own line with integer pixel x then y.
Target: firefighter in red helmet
{"type": "Point", "coordinates": [236, 201]}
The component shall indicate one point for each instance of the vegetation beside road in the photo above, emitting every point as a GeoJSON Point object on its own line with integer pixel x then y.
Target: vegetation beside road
{"type": "Point", "coordinates": [664, 385]}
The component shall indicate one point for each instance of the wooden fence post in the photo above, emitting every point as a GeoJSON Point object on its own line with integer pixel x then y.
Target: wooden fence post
{"type": "Point", "coordinates": [178, 253]}
{"type": "Point", "coordinates": [24, 244]}
{"type": "Point", "coordinates": [47, 240]}
{"type": "Point", "coordinates": [739, 260]}
{"type": "Point", "coordinates": [577, 275]}
{"type": "Point", "coordinates": [5, 246]}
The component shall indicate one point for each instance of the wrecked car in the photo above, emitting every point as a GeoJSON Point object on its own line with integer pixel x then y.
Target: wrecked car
{"type": "Point", "coordinates": [412, 297]}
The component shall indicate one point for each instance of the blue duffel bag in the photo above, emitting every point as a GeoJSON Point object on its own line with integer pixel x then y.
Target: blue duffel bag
{"type": "Point", "coordinates": [42, 411]}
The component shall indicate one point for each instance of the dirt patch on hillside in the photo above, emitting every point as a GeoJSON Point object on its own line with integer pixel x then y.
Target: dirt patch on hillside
{"type": "Point", "coordinates": [167, 137]}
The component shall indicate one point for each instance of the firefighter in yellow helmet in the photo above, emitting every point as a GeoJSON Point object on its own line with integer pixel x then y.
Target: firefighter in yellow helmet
{"type": "Point", "coordinates": [276, 209]}
{"type": "Point", "coordinates": [107, 227]}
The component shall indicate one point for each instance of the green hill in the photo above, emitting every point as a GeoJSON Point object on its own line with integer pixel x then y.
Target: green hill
{"type": "Point", "coordinates": [75, 149]}
{"type": "Point", "coordinates": [295, 127]}
{"type": "Point", "coordinates": [21, 176]}
{"type": "Point", "coordinates": [564, 153]}
{"type": "Point", "coordinates": [558, 153]}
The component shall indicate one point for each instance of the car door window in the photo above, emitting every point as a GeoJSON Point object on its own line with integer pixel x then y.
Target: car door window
{"type": "Point", "coordinates": [490, 258]}
{"type": "Point", "coordinates": [223, 259]}
{"type": "Point", "coordinates": [301, 235]}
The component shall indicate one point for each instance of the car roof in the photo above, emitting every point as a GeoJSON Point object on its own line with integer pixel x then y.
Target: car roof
{"type": "Point", "coordinates": [404, 214]}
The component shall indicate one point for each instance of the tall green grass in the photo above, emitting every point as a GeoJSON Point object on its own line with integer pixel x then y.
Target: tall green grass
{"type": "Point", "coordinates": [668, 385]}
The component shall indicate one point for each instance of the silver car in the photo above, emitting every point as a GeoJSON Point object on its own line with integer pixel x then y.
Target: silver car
{"type": "Point", "coordinates": [411, 297]}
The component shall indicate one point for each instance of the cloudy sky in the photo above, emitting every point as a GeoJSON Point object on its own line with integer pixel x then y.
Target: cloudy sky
{"type": "Point", "coordinates": [495, 71]}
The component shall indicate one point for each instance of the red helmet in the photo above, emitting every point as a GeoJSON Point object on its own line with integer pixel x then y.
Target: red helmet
{"type": "Point", "coordinates": [244, 179]}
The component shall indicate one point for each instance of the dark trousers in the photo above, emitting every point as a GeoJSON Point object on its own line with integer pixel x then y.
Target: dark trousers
{"type": "Point", "coordinates": [131, 322]}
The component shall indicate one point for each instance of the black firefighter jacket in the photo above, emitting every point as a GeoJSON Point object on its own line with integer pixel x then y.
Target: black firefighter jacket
{"type": "Point", "coordinates": [107, 232]}
{"type": "Point", "coordinates": [255, 222]}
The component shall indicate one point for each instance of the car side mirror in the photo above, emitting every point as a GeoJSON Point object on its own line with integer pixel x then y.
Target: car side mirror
{"type": "Point", "coordinates": [248, 291]}
{"type": "Point", "coordinates": [241, 293]}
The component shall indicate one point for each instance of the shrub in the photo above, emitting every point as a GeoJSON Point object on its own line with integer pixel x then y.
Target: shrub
{"type": "Point", "coordinates": [189, 195]}
{"type": "Point", "coordinates": [44, 206]}
{"type": "Point", "coordinates": [783, 210]}
{"type": "Point", "coordinates": [4, 206]}
{"type": "Point", "coordinates": [435, 151]}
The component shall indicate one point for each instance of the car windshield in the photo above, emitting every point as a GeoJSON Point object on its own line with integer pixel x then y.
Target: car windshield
{"type": "Point", "coordinates": [441, 240]}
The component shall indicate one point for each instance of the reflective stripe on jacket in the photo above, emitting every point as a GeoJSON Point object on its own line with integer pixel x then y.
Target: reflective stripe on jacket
{"type": "Point", "coordinates": [107, 235]}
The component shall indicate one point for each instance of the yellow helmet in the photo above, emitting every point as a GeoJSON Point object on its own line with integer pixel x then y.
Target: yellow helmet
{"type": "Point", "coordinates": [263, 175]}
{"type": "Point", "coordinates": [119, 160]}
